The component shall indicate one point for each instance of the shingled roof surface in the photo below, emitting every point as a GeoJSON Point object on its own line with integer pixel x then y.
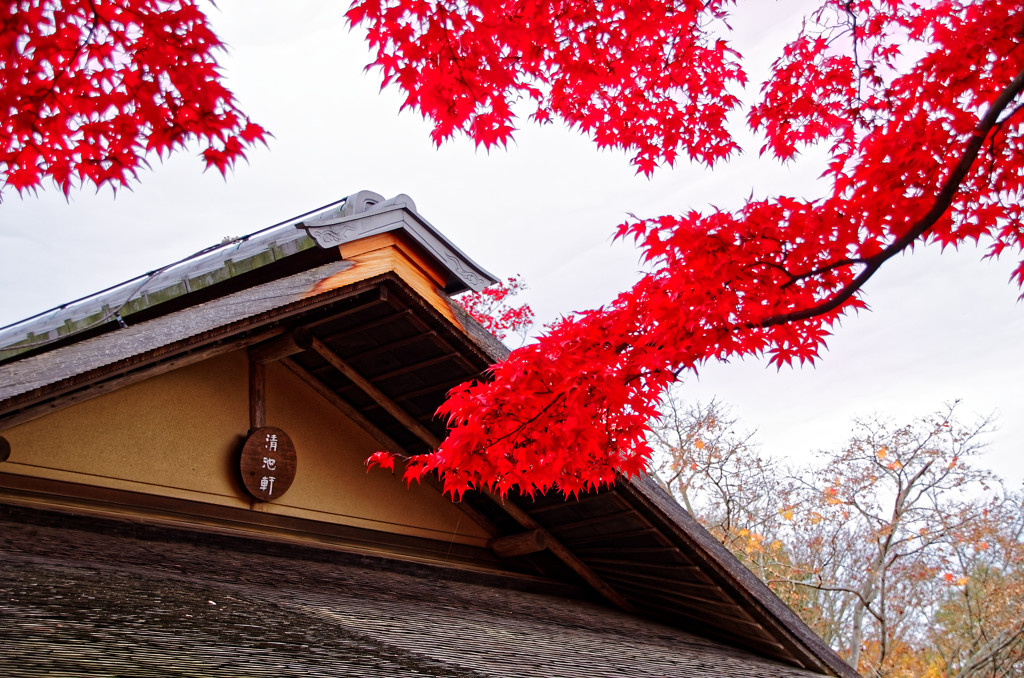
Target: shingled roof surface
{"type": "Point", "coordinates": [112, 602]}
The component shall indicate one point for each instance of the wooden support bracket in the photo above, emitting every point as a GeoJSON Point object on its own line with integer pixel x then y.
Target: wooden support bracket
{"type": "Point", "coordinates": [564, 554]}
{"type": "Point", "coordinates": [275, 349]}
{"type": "Point", "coordinates": [519, 544]}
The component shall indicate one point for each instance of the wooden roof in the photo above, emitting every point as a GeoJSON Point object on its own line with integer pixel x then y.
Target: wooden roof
{"type": "Point", "coordinates": [375, 335]}
{"type": "Point", "coordinates": [92, 597]}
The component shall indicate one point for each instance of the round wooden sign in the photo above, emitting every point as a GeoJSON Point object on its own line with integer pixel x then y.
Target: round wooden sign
{"type": "Point", "coordinates": [268, 463]}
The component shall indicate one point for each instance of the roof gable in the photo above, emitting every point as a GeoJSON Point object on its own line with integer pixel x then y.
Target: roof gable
{"type": "Point", "coordinates": [374, 334]}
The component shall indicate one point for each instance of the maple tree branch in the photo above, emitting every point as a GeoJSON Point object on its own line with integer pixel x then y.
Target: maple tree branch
{"type": "Point", "coordinates": [840, 263]}
{"type": "Point", "coordinates": [996, 131]}
{"type": "Point", "coordinates": [793, 278]}
{"type": "Point", "coordinates": [523, 425]}
{"type": "Point", "coordinates": [942, 201]}
{"type": "Point", "coordinates": [451, 50]}
{"type": "Point", "coordinates": [836, 589]}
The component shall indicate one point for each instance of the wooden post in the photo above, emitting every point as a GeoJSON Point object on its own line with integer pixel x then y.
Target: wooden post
{"type": "Point", "coordinates": [257, 395]}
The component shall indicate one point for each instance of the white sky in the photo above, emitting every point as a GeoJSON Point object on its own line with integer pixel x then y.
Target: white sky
{"type": "Point", "coordinates": [942, 327]}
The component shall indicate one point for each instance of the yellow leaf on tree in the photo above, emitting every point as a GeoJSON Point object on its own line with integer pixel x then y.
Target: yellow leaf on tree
{"type": "Point", "coordinates": [699, 444]}
{"type": "Point", "coordinates": [882, 452]}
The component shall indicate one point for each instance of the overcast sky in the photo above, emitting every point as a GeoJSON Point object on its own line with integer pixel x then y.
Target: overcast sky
{"type": "Point", "coordinates": [942, 327]}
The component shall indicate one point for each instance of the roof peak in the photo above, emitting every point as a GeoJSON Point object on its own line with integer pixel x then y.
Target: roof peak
{"type": "Point", "coordinates": [366, 213]}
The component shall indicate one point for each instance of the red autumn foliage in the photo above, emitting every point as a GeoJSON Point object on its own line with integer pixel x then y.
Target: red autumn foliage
{"type": "Point", "coordinates": [89, 87]}
{"type": "Point", "coordinates": [384, 459]}
{"type": "Point", "coordinates": [491, 308]}
{"type": "Point", "coordinates": [918, 103]}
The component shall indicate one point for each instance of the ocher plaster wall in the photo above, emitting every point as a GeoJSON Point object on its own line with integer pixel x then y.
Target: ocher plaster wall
{"type": "Point", "coordinates": [180, 434]}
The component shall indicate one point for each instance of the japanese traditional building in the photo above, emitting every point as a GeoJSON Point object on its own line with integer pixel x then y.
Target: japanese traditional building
{"type": "Point", "coordinates": [183, 489]}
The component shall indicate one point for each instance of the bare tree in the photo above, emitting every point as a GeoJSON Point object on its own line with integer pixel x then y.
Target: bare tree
{"type": "Point", "coordinates": [895, 549]}
{"type": "Point", "coordinates": [979, 618]}
{"type": "Point", "coordinates": [717, 473]}
{"type": "Point", "coordinates": [879, 522]}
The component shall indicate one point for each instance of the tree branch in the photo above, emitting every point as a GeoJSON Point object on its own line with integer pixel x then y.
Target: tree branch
{"type": "Point", "coordinates": [837, 589]}
{"type": "Point", "coordinates": [942, 201]}
{"type": "Point", "coordinates": [990, 649]}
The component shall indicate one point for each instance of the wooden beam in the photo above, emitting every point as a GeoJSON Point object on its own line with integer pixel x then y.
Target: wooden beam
{"type": "Point", "coordinates": [691, 589]}
{"type": "Point", "coordinates": [517, 514]}
{"type": "Point", "coordinates": [519, 544]}
{"type": "Point", "coordinates": [554, 505]}
{"type": "Point", "coordinates": [399, 313]}
{"type": "Point", "coordinates": [382, 298]}
{"type": "Point", "coordinates": [564, 554]}
{"type": "Point", "coordinates": [341, 404]}
{"type": "Point", "coordinates": [128, 376]}
{"type": "Point", "coordinates": [661, 569]}
{"type": "Point", "coordinates": [90, 502]}
{"type": "Point", "coordinates": [257, 395]}
{"type": "Point", "coordinates": [429, 335]}
{"type": "Point", "coordinates": [386, 442]}
{"type": "Point", "coordinates": [668, 590]}
{"type": "Point", "coordinates": [275, 349]}
{"type": "Point", "coordinates": [445, 386]}
{"type": "Point", "coordinates": [598, 520]}
{"type": "Point", "coordinates": [429, 362]}
{"type": "Point", "coordinates": [612, 537]}
{"type": "Point", "coordinates": [623, 550]}
{"type": "Point", "coordinates": [392, 408]}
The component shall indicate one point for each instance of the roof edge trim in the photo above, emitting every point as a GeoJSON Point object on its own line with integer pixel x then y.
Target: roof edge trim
{"type": "Point", "coordinates": [779, 620]}
{"type": "Point", "coordinates": [376, 215]}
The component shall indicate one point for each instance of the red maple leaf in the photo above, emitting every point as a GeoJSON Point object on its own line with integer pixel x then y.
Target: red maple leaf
{"type": "Point", "coordinates": [99, 83]}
